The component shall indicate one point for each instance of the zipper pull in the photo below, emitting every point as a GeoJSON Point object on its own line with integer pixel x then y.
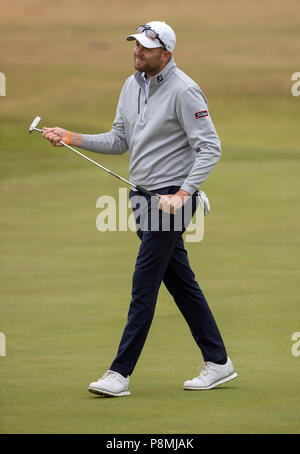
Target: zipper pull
{"type": "Point", "coordinates": [139, 100]}
{"type": "Point", "coordinates": [146, 100]}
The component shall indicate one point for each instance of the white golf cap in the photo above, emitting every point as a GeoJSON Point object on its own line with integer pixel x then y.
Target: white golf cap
{"type": "Point", "coordinates": [164, 32]}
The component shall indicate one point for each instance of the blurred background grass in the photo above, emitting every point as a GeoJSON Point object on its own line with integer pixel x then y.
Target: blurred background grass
{"type": "Point", "coordinates": [65, 287]}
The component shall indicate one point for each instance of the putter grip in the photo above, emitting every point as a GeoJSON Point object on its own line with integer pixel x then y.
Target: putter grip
{"type": "Point", "coordinates": [144, 191]}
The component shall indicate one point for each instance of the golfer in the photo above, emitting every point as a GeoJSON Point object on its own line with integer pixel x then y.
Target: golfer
{"type": "Point", "coordinates": [163, 119]}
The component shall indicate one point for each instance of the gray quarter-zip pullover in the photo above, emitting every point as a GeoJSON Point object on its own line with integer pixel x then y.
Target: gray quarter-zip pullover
{"type": "Point", "coordinates": [170, 134]}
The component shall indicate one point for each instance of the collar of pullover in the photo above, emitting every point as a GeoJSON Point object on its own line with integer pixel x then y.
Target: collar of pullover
{"type": "Point", "coordinates": [159, 78]}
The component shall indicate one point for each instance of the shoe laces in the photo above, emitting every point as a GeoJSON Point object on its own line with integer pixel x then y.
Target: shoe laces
{"type": "Point", "coordinates": [203, 369]}
{"type": "Point", "coordinates": [111, 374]}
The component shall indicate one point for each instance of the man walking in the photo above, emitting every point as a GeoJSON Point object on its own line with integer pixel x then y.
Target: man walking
{"type": "Point", "coordinates": [163, 119]}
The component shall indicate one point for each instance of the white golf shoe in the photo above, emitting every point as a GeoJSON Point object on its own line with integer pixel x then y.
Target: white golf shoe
{"type": "Point", "coordinates": [111, 384]}
{"type": "Point", "coordinates": [211, 375]}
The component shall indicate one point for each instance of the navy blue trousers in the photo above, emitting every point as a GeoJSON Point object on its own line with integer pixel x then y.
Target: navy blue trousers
{"type": "Point", "coordinates": [163, 258]}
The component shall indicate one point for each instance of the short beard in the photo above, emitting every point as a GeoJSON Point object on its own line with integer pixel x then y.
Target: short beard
{"type": "Point", "coordinates": [148, 69]}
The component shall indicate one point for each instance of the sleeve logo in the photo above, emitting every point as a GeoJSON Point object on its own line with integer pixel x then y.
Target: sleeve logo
{"type": "Point", "coordinates": [203, 113]}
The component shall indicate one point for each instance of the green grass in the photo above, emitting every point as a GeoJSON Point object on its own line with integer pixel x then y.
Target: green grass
{"type": "Point", "coordinates": [65, 287]}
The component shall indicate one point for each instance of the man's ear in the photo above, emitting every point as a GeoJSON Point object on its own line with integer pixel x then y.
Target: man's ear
{"type": "Point", "coordinates": [168, 55]}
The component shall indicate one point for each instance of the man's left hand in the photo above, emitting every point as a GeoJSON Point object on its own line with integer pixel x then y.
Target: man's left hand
{"type": "Point", "coordinates": [170, 203]}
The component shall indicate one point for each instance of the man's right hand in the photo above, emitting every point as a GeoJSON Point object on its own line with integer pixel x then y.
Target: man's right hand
{"type": "Point", "coordinates": [54, 135]}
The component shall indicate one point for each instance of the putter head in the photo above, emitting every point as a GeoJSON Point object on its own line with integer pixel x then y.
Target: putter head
{"type": "Point", "coordinates": [34, 124]}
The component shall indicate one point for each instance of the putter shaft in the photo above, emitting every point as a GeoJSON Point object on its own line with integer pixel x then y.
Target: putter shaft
{"type": "Point", "coordinates": [98, 165]}
{"type": "Point", "coordinates": [136, 186]}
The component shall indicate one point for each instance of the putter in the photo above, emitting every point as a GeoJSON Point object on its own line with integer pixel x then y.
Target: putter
{"type": "Point", "coordinates": [33, 127]}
